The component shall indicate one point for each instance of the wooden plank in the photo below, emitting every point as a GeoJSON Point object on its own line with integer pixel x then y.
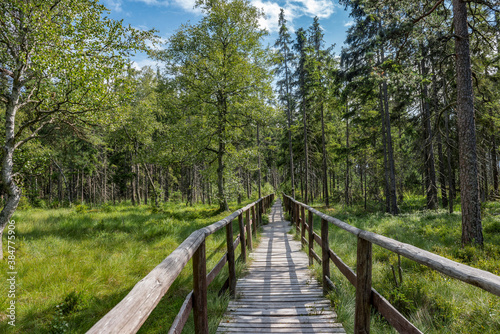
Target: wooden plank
{"type": "Point", "coordinates": [310, 229]}
{"type": "Point", "coordinates": [274, 325]}
{"type": "Point", "coordinates": [242, 238]}
{"type": "Point", "coordinates": [200, 290]}
{"type": "Point", "coordinates": [283, 330]}
{"type": "Point", "coordinates": [344, 268]}
{"type": "Point", "coordinates": [363, 286]}
{"type": "Point", "coordinates": [392, 315]}
{"type": "Point", "coordinates": [254, 224]}
{"type": "Point", "coordinates": [216, 270]}
{"type": "Point", "coordinates": [276, 305]}
{"type": "Point", "coordinates": [182, 316]}
{"type": "Point", "coordinates": [282, 320]}
{"type": "Point", "coordinates": [230, 259]}
{"type": "Point", "coordinates": [302, 227]}
{"type": "Point", "coordinates": [249, 231]}
{"type": "Point", "coordinates": [325, 256]}
{"type": "Point", "coordinates": [317, 238]}
{"type": "Point", "coordinates": [316, 256]}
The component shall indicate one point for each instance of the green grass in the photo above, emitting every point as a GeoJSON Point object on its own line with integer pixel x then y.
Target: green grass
{"type": "Point", "coordinates": [75, 264]}
{"type": "Point", "coordinates": [433, 302]}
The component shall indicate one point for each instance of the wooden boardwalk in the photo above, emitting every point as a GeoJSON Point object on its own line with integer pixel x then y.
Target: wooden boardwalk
{"type": "Point", "coordinates": [279, 295]}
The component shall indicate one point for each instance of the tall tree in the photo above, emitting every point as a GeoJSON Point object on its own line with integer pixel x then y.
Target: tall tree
{"type": "Point", "coordinates": [61, 61]}
{"type": "Point", "coordinates": [300, 47]}
{"type": "Point", "coordinates": [285, 59]}
{"type": "Point", "coordinates": [472, 231]}
{"type": "Point", "coordinates": [218, 64]}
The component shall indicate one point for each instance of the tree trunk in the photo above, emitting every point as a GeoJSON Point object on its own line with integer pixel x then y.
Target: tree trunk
{"type": "Point", "coordinates": [289, 126]}
{"type": "Point", "coordinates": [431, 191]}
{"type": "Point", "coordinates": [390, 155]}
{"type": "Point", "coordinates": [347, 167]}
{"type": "Point", "coordinates": [451, 195]}
{"type": "Point", "coordinates": [472, 231]}
{"type": "Point", "coordinates": [442, 171]}
{"type": "Point", "coordinates": [258, 160]}
{"type": "Point", "coordinates": [220, 154]}
{"type": "Point", "coordinates": [494, 164]}
{"type": "Point", "coordinates": [306, 153]}
{"type": "Point", "coordinates": [386, 164]}
{"type": "Point", "coordinates": [137, 184]}
{"type": "Point", "coordinates": [10, 188]}
{"type": "Point", "coordinates": [323, 144]}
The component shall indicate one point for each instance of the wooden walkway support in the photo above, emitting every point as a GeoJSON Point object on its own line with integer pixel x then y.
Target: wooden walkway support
{"type": "Point", "coordinates": [279, 295]}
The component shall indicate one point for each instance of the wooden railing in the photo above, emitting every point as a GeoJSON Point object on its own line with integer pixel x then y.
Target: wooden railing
{"type": "Point", "coordinates": [365, 294]}
{"type": "Point", "coordinates": [129, 315]}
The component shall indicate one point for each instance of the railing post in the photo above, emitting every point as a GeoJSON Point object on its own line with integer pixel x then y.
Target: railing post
{"type": "Point", "coordinates": [249, 231]}
{"type": "Point", "coordinates": [325, 256]}
{"type": "Point", "coordinates": [242, 238]}
{"type": "Point", "coordinates": [254, 221]}
{"type": "Point", "coordinates": [260, 213]}
{"type": "Point", "coordinates": [297, 218]}
{"type": "Point", "coordinates": [200, 290]}
{"type": "Point", "coordinates": [310, 222]}
{"type": "Point", "coordinates": [230, 258]}
{"type": "Point", "coordinates": [303, 225]}
{"type": "Point", "coordinates": [363, 287]}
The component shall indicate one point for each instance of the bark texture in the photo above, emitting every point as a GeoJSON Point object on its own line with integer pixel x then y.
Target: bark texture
{"type": "Point", "coordinates": [472, 231]}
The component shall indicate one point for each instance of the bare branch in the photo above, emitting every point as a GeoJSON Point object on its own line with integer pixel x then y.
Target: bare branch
{"type": "Point", "coordinates": [34, 134]}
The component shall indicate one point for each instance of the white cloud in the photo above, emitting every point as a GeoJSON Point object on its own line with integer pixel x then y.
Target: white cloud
{"type": "Point", "coordinates": [349, 24]}
{"type": "Point", "coordinates": [187, 5]}
{"type": "Point", "coordinates": [293, 9]}
{"type": "Point", "coordinates": [154, 2]}
{"type": "Point", "coordinates": [272, 12]}
{"type": "Point", "coordinates": [138, 64]}
{"type": "Point", "coordinates": [320, 8]}
{"type": "Point", "coordinates": [113, 5]}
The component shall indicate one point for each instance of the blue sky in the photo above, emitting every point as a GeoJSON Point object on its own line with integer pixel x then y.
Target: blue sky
{"type": "Point", "coordinates": [167, 15]}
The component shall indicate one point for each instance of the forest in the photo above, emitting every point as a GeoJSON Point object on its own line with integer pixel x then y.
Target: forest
{"type": "Point", "coordinates": [403, 120]}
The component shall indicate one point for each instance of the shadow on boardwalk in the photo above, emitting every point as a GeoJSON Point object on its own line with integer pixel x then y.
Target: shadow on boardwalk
{"type": "Point", "coordinates": [279, 295]}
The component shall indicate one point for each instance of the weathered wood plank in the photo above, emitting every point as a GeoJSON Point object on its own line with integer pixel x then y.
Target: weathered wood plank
{"type": "Point", "coordinates": [216, 270]}
{"type": "Point", "coordinates": [363, 287]}
{"type": "Point", "coordinates": [182, 316]}
{"type": "Point", "coordinates": [310, 229]}
{"type": "Point", "coordinates": [200, 306]}
{"type": "Point", "coordinates": [242, 238]}
{"type": "Point", "coordinates": [249, 231]}
{"type": "Point", "coordinates": [325, 256]}
{"type": "Point", "coordinates": [230, 259]}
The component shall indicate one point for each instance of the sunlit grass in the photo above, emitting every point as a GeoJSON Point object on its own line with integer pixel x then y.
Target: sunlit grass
{"type": "Point", "coordinates": [86, 260]}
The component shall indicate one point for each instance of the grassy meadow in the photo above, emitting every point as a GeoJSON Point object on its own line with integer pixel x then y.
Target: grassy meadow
{"type": "Point", "coordinates": [433, 302]}
{"type": "Point", "coordinates": [75, 264]}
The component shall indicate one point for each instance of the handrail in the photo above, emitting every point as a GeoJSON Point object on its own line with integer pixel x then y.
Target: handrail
{"type": "Point", "coordinates": [133, 310]}
{"type": "Point", "coordinates": [362, 279]}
